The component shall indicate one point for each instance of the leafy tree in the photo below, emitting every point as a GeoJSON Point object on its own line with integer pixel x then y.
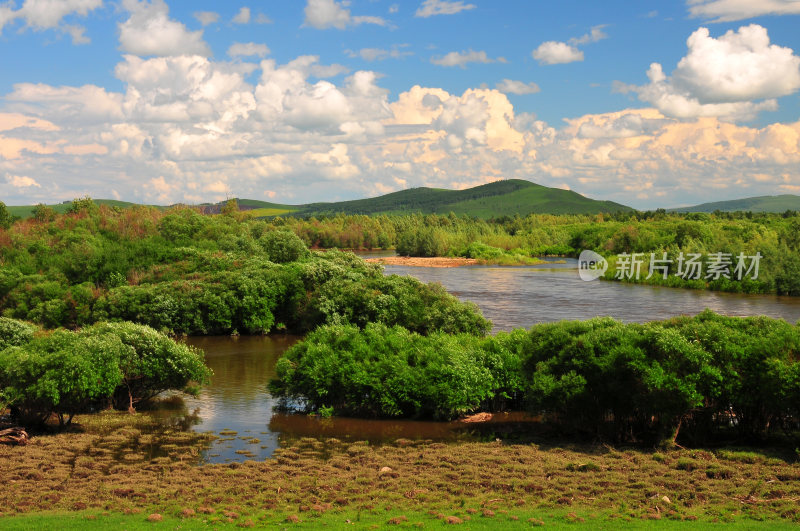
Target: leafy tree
{"type": "Point", "coordinates": [14, 333]}
{"type": "Point", "coordinates": [151, 364]}
{"type": "Point", "coordinates": [43, 213]}
{"type": "Point", "coordinates": [62, 373]}
{"type": "Point", "coordinates": [5, 216]}
{"type": "Point", "coordinates": [282, 246]}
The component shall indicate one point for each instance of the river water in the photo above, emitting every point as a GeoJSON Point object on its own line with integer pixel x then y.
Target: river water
{"type": "Point", "coordinates": [237, 406]}
{"type": "Point", "coordinates": [519, 297]}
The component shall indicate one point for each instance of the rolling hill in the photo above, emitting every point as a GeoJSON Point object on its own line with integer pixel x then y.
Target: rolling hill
{"type": "Point", "coordinates": [764, 203]}
{"type": "Point", "coordinates": [500, 198]}
{"type": "Point", "coordinates": [26, 211]}
{"type": "Point", "coordinates": [513, 196]}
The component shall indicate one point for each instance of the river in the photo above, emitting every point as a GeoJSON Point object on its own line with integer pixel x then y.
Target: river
{"type": "Point", "coordinates": [237, 399]}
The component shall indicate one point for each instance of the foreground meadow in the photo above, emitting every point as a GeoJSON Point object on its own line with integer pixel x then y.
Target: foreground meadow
{"type": "Point", "coordinates": [115, 469]}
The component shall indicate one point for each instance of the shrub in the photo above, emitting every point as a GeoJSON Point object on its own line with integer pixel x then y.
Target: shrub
{"type": "Point", "coordinates": [64, 373]}
{"type": "Point", "coordinates": [14, 332]}
{"type": "Point", "coordinates": [61, 373]}
{"type": "Point", "coordinates": [385, 371]}
{"type": "Point", "coordinates": [151, 364]}
{"type": "Point", "coordinates": [283, 246]}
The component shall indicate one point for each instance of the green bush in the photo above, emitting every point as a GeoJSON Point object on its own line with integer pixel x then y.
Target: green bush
{"type": "Point", "coordinates": [693, 378]}
{"type": "Point", "coordinates": [61, 373]}
{"type": "Point", "coordinates": [152, 363]}
{"type": "Point", "coordinates": [283, 246]}
{"type": "Point", "coordinates": [385, 371]}
{"type": "Point", "coordinates": [14, 333]}
{"type": "Point", "coordinates": [65, 373]}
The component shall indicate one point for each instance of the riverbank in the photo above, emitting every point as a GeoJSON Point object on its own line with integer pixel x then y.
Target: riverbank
{"type": "Point", "coordinates": [457, 261]}
{"type": "Point", "coordinates": [416, 261]}
{"type": "Point", "coordinates": [114, 467]}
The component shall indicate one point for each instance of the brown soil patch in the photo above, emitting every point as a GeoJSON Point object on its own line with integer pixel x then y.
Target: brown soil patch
{"type": "Point", "coordinates": [415, 261]}
{"type": "Point", "coordinates": [478, 417]}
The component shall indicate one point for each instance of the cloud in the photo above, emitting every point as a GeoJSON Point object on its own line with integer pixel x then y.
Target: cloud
{"type": "Point", "coordinates": [261, 18]}
{"type": "Point", "coordinates": [734, 76]}
{"type": "Point", "coordinates": [517, 87]}
{"type": "Point", "coordinates": [18, 181]}
{"type": "Point", "coordinates": [7, 15]}
{"type": "Point", "coordinates": [595, 34]}
{"type": "Point", "coordinates": [11, 121]}
{"type": "Point", "coordinates": [88, 103]}
{"type": "Point", "coordinates": [242, 17]}
{"type": "Point", "coordinates": [206, 17]}
{"type": "Point", "coordinates": [47, 14]}
{"type": "Point", "coordinates": [380, 54]}
{"type": "Point", "coordinates": [553, 53]}
{"type": "Point", "coordinates": [430, 8]}
{"type": "Point", "coordinates": [556, 52]}
{"type": "Point", "coordinates": [732, 10]}
{"type": "Point", "coordinates": [463, 58]}
{"type": "Point", "coordinates": [324, 14]}
{"type": "Point", "coordinates": [78, 34]}
{"type": "Point", "coordinates": [149, 31]}
{"type": "Point", "coordinates": [247, 49]}
{"type": "Point", "coordinates": [190, 128]}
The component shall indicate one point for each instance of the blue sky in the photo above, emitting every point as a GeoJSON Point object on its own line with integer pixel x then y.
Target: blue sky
{"type": "Point", "coordinates": [647, 103]}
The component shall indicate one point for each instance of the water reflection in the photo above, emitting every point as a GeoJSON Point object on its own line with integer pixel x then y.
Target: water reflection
{"type": "Point", "coordinates": [236, 404]}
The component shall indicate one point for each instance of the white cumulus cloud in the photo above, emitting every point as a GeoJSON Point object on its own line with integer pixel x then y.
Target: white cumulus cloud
{"type": "Point", "coordinates": [247, 49]}
{"type": "Point", "coordinates": [595, 34]}
{"type": "Point", "coordinates": [206, 17]}
{"type": "Point", "coordinates": [430, 8]}
{"type": "Point", "coordinates": [380, 54]}
{"type": "Point", "coordinates": [733, 76]}
{"type": "Point", "coordinates": [21, 181]}
{"type": "Point", "coordinates": [50, 14]}
{"type": "Point", "coordinates": [554, 52]}
{"type": "Point", "coordinates": [557, 52]}
{"type": "Point", "coordinates": [324, 14]}
{"type": "Point", "coordinates": [150, 31]}
{"type": "Point", "coordinates": [511, 86]}
{"type": "Point", "coordinates": [463, 58]}
{"type": "Point", "coordinates": [242, 17]}
{"type": "Point", "coordinates": [731, 10]}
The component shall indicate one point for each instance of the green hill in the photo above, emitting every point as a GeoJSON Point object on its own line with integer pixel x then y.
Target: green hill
{"type": "Point", "coordinates": [513, 196]}
{"type": "Point", "coordinates": [500, 198]}
{"type": "Point", "coordinates": [764, 203]}
{"type": "Point", "coordinates": [26, 211]}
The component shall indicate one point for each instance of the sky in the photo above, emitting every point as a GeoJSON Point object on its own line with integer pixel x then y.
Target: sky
{"type": "Point", "coordinates": [650, 104]}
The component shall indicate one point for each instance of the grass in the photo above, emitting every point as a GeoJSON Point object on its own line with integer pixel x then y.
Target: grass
{"type": "Point", "coordinates": [346, 519]}
{"type": "Point", "coordinates": [115, 470]}
{"type": "Point", "coordinates": [265, 212]}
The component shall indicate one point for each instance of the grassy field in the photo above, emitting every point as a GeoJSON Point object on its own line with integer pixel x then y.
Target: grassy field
{"type": "Point", "coordinates": [120, 470]}
{"type": "Point", "coordinates": [269, 212]}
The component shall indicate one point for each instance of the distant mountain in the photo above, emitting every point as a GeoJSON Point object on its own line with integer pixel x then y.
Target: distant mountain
{"type": "Point", "coordinates": [500, 198]}
{"type": "Point", "coordinates": [513, 196]}
{"type": "Point", "coordinates": [26, 211]}
{"type": "Point", "coordinates": [764, 203]}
